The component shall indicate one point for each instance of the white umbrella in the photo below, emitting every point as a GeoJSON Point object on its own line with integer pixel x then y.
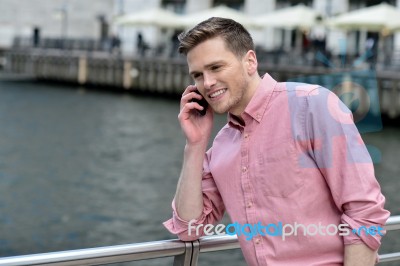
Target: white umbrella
{"type": "Point", "coordinates": [378, 18]}
{"type": "Point", "coordinates": [152, 17]}
{"type": "Point", "coordinates": [219, 11]}
{"type": "Point", "coordinates": [293, 17]}
{"type": "Point", "coordinates": [393, 25]}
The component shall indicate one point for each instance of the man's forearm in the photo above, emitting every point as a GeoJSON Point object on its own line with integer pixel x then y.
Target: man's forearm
{"type": "Point", "coordinates": [189, 196]}
{"type": "Point", "coordinates": [359, 255]}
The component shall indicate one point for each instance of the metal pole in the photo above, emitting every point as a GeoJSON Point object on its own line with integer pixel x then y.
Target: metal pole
{"type": "Point", "coordinates": [102, 255]}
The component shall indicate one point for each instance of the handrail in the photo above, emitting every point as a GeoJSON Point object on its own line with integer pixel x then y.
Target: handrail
{"type": "Point", "coordinates": [393, 223]}
{"type": "Point", "coordinates": [218, 243]}
{"type": "Point", "coordinates": [185, 253]}
{"type": "Point", "coordinates": [102, 255]}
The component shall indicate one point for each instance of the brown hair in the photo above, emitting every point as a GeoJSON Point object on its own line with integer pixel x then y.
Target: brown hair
{"type": "Point", "coordinates": [236, 37]}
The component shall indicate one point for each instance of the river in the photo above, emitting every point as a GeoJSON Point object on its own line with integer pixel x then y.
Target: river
{"type": "Point", "coordinates": [82, 168]}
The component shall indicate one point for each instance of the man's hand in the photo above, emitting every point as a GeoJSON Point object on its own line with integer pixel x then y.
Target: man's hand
{"type": "Point", "coordinates": [196, 128]}
{"type": "Point", "coordinates": [359, 255]}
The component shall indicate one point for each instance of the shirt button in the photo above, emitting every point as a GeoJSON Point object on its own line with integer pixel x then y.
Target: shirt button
{"type": "Point", "coordinates": [246, 136]}
{"type": "Point", "coordinates": [249, 204]}
{"type": "Point", "coordinates": [244, 169]}
{"type": "Point", "coordinates": [257, 241]}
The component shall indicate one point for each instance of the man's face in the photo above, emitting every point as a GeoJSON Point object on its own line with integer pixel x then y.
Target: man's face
{"type": "Point", "coordinates": [220, 76]}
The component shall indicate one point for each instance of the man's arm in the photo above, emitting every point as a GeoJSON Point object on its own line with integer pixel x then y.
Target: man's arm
{"type": "Point", "coordinates": [197, 200]}
{"type": "Point", "coordinates": [359, 255]}
{"type": "Point", "coordinates": [346, 165]}
{"type": "Point", "coordinates": [197, 130]}
{"type": "Point", "coordinates": [189, 195]}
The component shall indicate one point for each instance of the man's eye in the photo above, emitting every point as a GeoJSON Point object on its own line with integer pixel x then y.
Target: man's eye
{"type": "Point", "coordinates": [215, 67]}
{"type": "Point", "coordinates": [196, 76]}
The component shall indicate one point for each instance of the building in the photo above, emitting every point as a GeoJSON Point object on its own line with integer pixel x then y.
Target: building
{"type": "Point", "coordinates": [53, 18]}
{"type": "Point", "coordinates": [93, 19]}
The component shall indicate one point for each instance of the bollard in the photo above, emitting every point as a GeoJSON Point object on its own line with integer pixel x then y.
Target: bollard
{"type": "Point", "coordinates": [127, 81]}
{"type": "Point", "coordinates": [82, 70]}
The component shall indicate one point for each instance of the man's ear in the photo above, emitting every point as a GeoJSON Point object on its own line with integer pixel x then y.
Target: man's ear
{"type": "Point", "coordinates": [251, 62]}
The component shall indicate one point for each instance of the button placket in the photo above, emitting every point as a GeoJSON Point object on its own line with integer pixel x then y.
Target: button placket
{"type": "Point", "coordinates": [244, 170]}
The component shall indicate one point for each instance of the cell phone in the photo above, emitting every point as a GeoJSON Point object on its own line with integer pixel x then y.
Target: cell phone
{"type": "Point", "coordinates": [202, 102]}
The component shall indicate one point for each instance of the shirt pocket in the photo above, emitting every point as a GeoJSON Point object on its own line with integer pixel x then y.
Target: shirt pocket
{"type": "Point", "coordinates": [278, 170]}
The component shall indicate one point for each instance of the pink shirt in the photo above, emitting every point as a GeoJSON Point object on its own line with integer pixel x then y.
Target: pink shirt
{"type": "Point", "coordinates": [298, 159]}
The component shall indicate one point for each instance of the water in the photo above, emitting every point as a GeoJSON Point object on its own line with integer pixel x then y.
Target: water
{"type": "Point", "coordinates": [87, 168]}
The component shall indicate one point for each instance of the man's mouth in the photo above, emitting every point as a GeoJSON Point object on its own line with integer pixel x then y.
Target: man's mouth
{"type": "Point", "coordinates": [217, 93]}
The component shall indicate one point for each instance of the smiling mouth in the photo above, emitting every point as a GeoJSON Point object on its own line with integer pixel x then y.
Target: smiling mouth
{"type": "Point", "coordinates": [217, 93]}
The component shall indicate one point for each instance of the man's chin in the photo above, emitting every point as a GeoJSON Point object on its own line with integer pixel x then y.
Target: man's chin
{"type": "Point", "coordinates": [220, 111]}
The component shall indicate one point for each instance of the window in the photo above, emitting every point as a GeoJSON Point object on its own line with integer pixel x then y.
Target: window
{"type": "Point", "coordinates": [235, 4]}
{"type": "Point", "coordinates": [178, 6]}
{"type": "Point", "coordinates": [356, 4]}
{"type": "Point", "coordinates": [287, 3]}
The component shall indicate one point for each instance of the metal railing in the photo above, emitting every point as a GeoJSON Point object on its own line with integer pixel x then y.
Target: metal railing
{"type": "Point", "coordinates": [184, 253]}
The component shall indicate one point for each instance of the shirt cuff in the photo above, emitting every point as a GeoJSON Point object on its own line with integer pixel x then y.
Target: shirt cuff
{"type": "Point", "coordinates": [180, 227]}
{"type": "Point", "coordinates": [372, 241]}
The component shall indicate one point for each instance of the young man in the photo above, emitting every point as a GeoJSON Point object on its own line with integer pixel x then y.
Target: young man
{"type": "Point", "coordinates": [290, 154]}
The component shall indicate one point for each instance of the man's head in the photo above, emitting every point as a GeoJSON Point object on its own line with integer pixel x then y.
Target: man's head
{"type": "Point", "coordinates": [222, 62]}
{"type": "Point", "coordinates": [236, 37]}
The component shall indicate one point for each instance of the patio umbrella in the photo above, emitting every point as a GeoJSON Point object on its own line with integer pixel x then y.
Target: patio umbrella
{"type": "Point", "coordinates": [220, 11]}
{"type": "Point", "coordinates": [378, 18]}
{"type": "Point", "coordinates": [299, 16]}
{"type": "Point", "coordinates": [152, 17]}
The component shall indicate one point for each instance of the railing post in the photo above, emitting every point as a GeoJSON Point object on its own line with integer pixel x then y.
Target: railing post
{"type": "Point", "coordinates": [184, 259]}
{"type": "Point", "coordinates": [191, 255]}
{"type": "Point", "coordinates": [195, 252]}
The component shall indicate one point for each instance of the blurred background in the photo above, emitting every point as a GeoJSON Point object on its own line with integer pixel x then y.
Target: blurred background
{"type": "Point", "coordinates": [90, 145]}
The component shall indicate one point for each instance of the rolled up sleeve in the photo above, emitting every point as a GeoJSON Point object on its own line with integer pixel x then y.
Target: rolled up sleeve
{"type": "Point", "coordinates": [346, 165]}
{"type": "Point", "coordinates": [213, 209]}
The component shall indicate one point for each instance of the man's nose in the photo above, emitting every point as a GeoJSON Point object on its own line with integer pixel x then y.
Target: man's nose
{"type": "Point", "coordinates": [209, 80]}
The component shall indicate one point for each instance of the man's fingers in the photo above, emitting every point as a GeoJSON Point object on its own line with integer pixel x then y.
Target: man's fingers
{"type": "Point", "coordinates": [189, 89]}
{"type": "Point", "coordinates": [191, 106]}
{"type": "Point", "coordinates": [188, 97]}
{"type": "Point", "coordinates": [187, 109]}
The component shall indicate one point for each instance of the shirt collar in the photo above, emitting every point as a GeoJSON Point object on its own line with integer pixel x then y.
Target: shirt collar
{"type": "Point", "coordinates": [258, 103]}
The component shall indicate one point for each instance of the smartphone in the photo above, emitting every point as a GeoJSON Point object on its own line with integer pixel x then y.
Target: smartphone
{"type": "Point", "coordinates": [202, 102]}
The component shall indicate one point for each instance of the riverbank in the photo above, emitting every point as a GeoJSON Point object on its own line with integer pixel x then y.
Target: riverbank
{"type": "Point", "coordinates": [165, 76]}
